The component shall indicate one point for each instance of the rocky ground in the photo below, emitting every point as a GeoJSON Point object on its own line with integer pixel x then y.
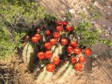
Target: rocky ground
{"type": "Point", "coordinates": [99, 13]}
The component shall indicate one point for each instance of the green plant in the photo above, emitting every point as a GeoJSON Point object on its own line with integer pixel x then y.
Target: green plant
{"type": "Point", "coordinates": [68, 16]}
{"type": "Point", "coordinates": [105, 41]}
{"type": "Point", "coordinates": [83, 15]}
{"type": "Point", "coordinates": [87, 36]}
{"type": "Point", "coordinates": [16, 18]}
{"type": "Point", "coordinates": [94, 12]}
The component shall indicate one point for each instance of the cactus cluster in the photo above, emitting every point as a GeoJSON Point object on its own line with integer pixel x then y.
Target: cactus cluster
{"type": "Point", "coordinates": [55, 50]}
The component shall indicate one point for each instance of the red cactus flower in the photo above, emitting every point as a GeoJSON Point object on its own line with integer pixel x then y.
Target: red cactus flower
{"type": "Point", "coordinates": [69, 49]}
{"type": "Point", "coordinates": [53, 41]}
{"type": "Point", "coordinates": [50, 67]}
{"type": "Point", "coordinates": [47, 45]}
{"type": "Point", "coordinates": [65, 23]}
{"type": "Point", "coordinates": [77, 51]}
{"type": "Point", "coordinates": [41, 55]}
{"type": "Point", "coordinates": [64, 41]}
{"type": "Point", "coordinates": [48, 54]}
{"type": "Point", "coordinates": [56, 60]}
{"type": "Point", "coordinates": [73, 60]}
{"type": "Point", "coordinates": [82, 59]}
{"type": "Point", "coordinates": [56, 35]}
{"type": "Point", "coordinates": [34, 39]}
{"type": "Point", "coordinates": [78, 67]}
{"type": "Point", "coordinates": [73, 43]}
{"type": "Point", "coordinates": [47, 32]}
{"type": "Point", "coordinates": [87, 51]}
{"type": "Point", "coordinates": [68, 28]}
{"type": "Point", "coordinates": [59, 23]}
{"type": "Point", "coordinates": [59, 28]}
{"type": "Point", "coordinates": [38, 36]}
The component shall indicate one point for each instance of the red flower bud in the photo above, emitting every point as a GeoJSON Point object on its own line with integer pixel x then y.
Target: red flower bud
{"type": "Point", "coordinates": [47, 32]}
{"type": "Point", "coordinates": [47, 45]}
{"type": "Point", "coordinates": [77, 51]}
{"type": "Point", "coordinates": [64, 41]}
{"type": "Point", "coordinates": [56, 60]}
{"type": "Point", "coordinates": [82, 59]}
{"type": "Point", "coordinates": [41, 55]}
{"type": "Point", "coordinates": [59, 28]}
{"type": "Point", "coordinates": [87, 51]}
{"type": "Point", "coordinates": [50, 67]}
{"type": "Point", "coordinates": [48, 54]}
{"type": "Point", "coordinates": [59, 23]}
{"type": "Point", "coordinates": [53, 41]}
{"type": "Point", "coordinates": [34, 39]}
{"type": "Point", "coordinates": [38, 36]}
{"type": "Point", "coordinates": [78, 67]}
{"type": "Point", "coordinates": [73, 43]}
{"type": "Point", "coordinates": [56, 35]}
{"type": "Point", "coordinates": [73, 60]}
{"type": "Point", "coordinates": [69, 49]}
{"type": "Point", "coordinates": [65, 23]}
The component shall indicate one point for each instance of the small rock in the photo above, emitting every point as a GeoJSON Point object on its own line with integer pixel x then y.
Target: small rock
{"type": "Point", "coordinates": [109, 28]}
{"type": "Point", "coordinates": [109, 6]}
{"type": "Point", "coordinates": [71, 11]}
{"type": "Point", "coordinates": [104, 25]}
{"type": "Point", "coordinates": [109, 13]}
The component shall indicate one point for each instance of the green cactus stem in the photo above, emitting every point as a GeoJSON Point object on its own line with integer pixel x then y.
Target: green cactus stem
{"type": "Point", "coordinates": [58, 50]}
{"type": "Point", "coordinates": [48, 77]}
{"type": "Point", "coordinates": [42, 75]}
{"type": "Point", "coordinates": [28, 54]}
{"type": "Point", "coordinates": [65, 74]}
{"type": "Point", "coordinates": [60, 71]}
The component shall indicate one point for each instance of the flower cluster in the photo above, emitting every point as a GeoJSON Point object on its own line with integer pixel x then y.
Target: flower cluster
{"type": "Point", "coordinates": [57, 42]}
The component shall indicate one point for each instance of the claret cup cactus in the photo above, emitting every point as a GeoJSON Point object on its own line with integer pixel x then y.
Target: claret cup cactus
{"type": "Point", "coordinates": [53, 51]}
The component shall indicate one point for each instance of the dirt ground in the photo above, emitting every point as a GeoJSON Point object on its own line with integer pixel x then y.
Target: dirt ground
{"type": "Point", "coordinates": [15, 72]}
